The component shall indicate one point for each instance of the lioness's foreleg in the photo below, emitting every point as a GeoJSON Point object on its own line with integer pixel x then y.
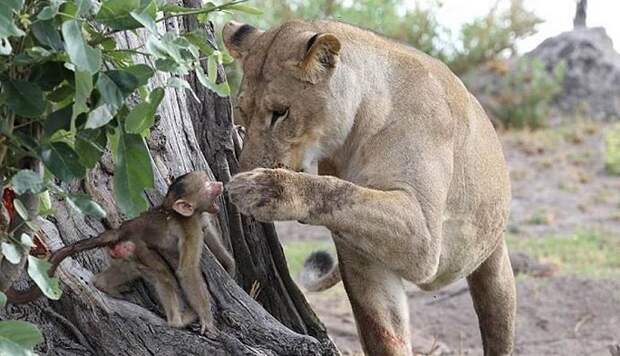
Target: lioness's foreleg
{"type": "Point", "coordinates": [379, 305]}
{"type": "Point", "coordinates": [388, 226]}
{"type": "Point", "coordinates": [492, 289]}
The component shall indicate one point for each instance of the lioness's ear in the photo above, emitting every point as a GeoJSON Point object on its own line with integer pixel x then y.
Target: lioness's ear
{"type": "Point", "coordinates": [321, 56]}
{"type": "Point", "coordinates": [239, 37]}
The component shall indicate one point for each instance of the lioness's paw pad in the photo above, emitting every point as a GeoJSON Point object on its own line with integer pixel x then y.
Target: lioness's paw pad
{"type": "Point", "coordinates": [257, 192]}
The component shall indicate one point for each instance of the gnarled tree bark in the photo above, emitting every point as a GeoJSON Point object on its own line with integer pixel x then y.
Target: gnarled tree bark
{"type": "Point", "coordinates": [188, 135]}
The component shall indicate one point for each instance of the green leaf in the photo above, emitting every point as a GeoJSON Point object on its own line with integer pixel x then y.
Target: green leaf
{"type": "Point", "coordinates": [21, 332]}
{"type": "Point", "coordinates": [212, 69]}
{"type": "Point", "coordinates": [2, 301]}
{"type": "Point", "coordinates": [14, 4]}
{"type": "Point", "coordinates": [168, 47]}
{"type": "Point", "coordinates": [69, 11]}
{"type": "Point", "coordinates": [21, 210]}
{"type": "Point", "coordinates": [48, 75]}
{"type": "Point", "coordinates": [110, 92]}
{"type": "Point", "coordinates": [221, 89]}
{"type": "Point", "coordinates": [62, 161]}
{"type": "Point", "coordinates": [85, 58]}
{"type": "Point", "coordinates": [26, 240]}
{"type": "Point", "coordinates": [45, 203]}
{"type": "Point", "coordinates": [100, 116]}
{"type": "Point", "coordinates": [146, 17]}
{"type": "Point", "coordinates": [142, 72]}
{"type": "Point", "coordinates": [84, 7]}
{"type": "Point", "coordinates": [48, 12]}
{"type": "Point", "coordinates": [121, 57]}
{"type": "Point", "coordinates": [12, 252]}
{"type": "Point", "coordinates": [84, 205]}
{"type": "Point", "coordinates": [8, 347]}
{"type": "Point", "coordinates": [27, 181]}
{"type": "Point", "coordinates": [45, 32]}
{"type": "Point", "coordinates": [24, 98]}
{"type": "Point", "coordinates": [175, 82]}
{"type": "Point", "coordinates": [108, 44]}
{"type": "Point", "coordinates": [38, 271]}
{"type": "Point", "coordinates": [245, 9]}
{"type": "Point", "coordinates": [199, 39]}
{"type": "Point", "coordinates": [227, 58]}
{"type": "Point", "coordinates": [125, 81]}
{"type": "Point", "coordinates": [116, 14]}
{"type": "Point", "coordinates": [61, 93]}
{"type": "Point", "coordinates": [90, 146]}
{"type": "Point", "coordinates": [83, 88]}
{"type": "Point", "coordinates": [58, 120]}
{"type": "Point", "coordinates": [176, 9]}
{"type": "Point", "coordinates": [33, 55]}
{"type": "Point", "coordinates": [7, 26]}
{"type": "Point", "coordinates": [132, 173]}
{"type": "Point", "coordinates": [170, 66]}
{"type": "Point", "coordinates": [142, 116]}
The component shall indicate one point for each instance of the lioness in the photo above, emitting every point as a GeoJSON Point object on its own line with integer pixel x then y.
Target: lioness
{"type": "Point", "coordinates": [413, 184]}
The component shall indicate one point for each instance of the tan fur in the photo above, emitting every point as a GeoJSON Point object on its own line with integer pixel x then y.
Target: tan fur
{"type": "Point", "coordinates": [418, 186]}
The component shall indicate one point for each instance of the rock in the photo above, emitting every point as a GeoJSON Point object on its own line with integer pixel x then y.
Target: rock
{"type": "Point", "coordinates": [592, 79]}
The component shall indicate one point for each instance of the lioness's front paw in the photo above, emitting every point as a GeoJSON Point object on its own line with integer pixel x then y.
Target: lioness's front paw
{"type": "Point", "coordinates": [266, 194]}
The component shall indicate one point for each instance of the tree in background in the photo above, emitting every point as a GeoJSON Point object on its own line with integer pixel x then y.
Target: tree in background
{"type": "Point", "coordinates": [580, 14]}
{"type": "Point", "coordinates": [482, 39]}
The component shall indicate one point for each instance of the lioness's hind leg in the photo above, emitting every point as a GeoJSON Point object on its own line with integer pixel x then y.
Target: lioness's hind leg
{"type": "Point", "coordinates": [492, 288]}
{"type": "Point", "coordinates": [379, 305]}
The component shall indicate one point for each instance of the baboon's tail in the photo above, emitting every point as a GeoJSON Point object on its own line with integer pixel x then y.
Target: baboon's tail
{"type": "Point", "coordinates": [320, 272]}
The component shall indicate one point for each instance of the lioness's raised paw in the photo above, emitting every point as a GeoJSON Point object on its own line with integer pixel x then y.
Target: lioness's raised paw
{"type": "Point", "coordinates": [267, 194]}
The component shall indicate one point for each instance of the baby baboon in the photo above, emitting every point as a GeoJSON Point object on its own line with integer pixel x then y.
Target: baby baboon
{"type": "Point", "coordinates": [162, 240]}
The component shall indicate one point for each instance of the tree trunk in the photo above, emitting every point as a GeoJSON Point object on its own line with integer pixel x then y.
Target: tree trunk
{"type": "Point", "coordinates": [277, 321]}
{"type": "Point", "coordinates": [580, 14]}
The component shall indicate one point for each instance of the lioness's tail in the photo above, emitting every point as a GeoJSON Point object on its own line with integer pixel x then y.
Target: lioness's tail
{"type": "Point", "coordinates": [320, 272]}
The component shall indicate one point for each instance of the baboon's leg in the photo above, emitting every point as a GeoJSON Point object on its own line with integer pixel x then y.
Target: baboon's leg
{"type": "Point", "coordinates": [157, 272]}
{"type": "Point", "coordinates": [114, 278]}
{"type": "Point", "coordinates": [379, 305]}
{"type": "Point", "coordinates": [492, 288]}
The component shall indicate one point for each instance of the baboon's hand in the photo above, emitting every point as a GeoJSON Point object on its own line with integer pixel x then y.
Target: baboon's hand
{"type": "Point", "coordinates": [269, 194]}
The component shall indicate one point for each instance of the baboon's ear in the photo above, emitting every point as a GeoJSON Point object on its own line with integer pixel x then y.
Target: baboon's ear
{"type": "Point", "coordinates": [239, 37]}
{"type": "Point", "coordinates": [321, 57]}
{"type": "Point", "coordinates": [183, 207]}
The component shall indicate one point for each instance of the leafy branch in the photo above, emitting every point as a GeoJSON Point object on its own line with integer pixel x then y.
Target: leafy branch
{"type": "Point", "coordinates": [67, 94]}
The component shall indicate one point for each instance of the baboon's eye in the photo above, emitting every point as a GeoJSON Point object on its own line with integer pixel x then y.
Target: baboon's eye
{"type": "Point", "coordinates": [278, 115]}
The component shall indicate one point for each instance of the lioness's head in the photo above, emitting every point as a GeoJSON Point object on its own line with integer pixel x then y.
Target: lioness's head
{"type": "Point", "coordinates": [291, 99]}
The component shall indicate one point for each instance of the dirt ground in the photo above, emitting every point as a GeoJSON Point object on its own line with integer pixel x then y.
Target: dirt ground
{"type": "Point", "coordinates": [559, 187]}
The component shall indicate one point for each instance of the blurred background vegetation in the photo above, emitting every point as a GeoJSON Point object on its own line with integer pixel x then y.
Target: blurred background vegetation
{"type": "Point", "coordinates": [486, 40]}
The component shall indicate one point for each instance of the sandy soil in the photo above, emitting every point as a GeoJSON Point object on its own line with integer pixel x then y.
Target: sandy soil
{"type": "Point", "coordinates": [557, 316]}
{"type": "Point", "coordinates": [559, 186]}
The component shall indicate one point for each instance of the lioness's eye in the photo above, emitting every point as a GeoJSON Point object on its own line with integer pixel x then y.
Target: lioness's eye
{"type": "Point", "coordinates": [277, 115]}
